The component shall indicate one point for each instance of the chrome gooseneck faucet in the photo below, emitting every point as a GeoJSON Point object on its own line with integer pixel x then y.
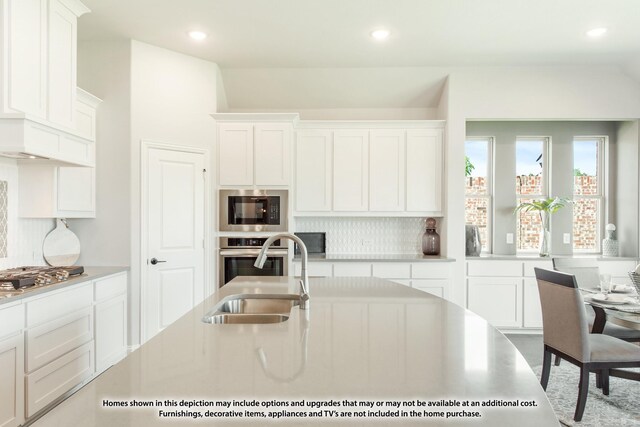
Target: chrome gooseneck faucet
{"type": "Point", "coordinates": [304, 282]}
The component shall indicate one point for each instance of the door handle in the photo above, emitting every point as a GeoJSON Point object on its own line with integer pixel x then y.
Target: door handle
{"type": "Point", "coordinates": [155, 261]}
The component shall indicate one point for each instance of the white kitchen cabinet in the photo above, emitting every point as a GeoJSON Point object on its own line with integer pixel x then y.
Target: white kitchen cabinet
{"type": "Point", "coordinates": [497, 299]}
{"type": "Point", "coordinates": [424, 159]}
{"type": "Point", "coordinates": [254, 154]}
{"type": "Point", "coordinates": [62, 61]}
{"type": "Point", "coordinates": [40, 52]}
{"type": "Point", "coordinates": [272, 147]}
{"type": "Point", "coordinates": [110, 320]}
{"type": "Point", "coordinates": [386, 170]}
{"type": "Point", "coordinates": [431, 277]}
{"type": "Point", "coordinates": [235, 153]}
{"type": "Point", "coordinates": [24, 49]}
{"type": "Point", "coordinates": [47, 191]}
{"type": "Point", "coordinates": [532, 311]}
{"type": "Point", "coordinates": [12, 381]}
{"type": "Point", "coordinates": [369, 169]}
{"type": "Point", "coordinates": [314, 154]}
{"type": "Point", "coordinates": [58, 377]}
{"type": "Point", "coordinates": [12, 363]}
{"type": "Point", "coordinates": [350, 171]}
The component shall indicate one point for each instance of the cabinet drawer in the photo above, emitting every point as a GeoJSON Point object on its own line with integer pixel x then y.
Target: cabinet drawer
{"type": "Point", "coordinates": [53, 339]}
{"type": "Point", "coordinates": [109, 287]}
{"type": "Point", "coordinates": [430, 270]}
{"type": "Point", "coordinates": [434, 287]}
{"type": "Point", "coordinates": [11, 320]}
{"type": "Point", "coordinates": [494, 268]}
{"type": "Point", "coordinates": [53, 380]}
{"type": "Point", "coordinates": [391, 270]}
{"type": "Point", "coordinates": [60, 304]}
{"type": "Point", "coordinates": [530, 265]}
{"type": "Point", "coordinates": [315, 269]}
{"type": "Point", "coordinates": [352, 269]}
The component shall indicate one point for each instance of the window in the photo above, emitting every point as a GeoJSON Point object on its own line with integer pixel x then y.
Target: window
{"type": "Point", "coordinates": [531, 184]}
{"type": "Point", "coordinates": [587, 193]}
{"type": "Point", "coordinates": [478, 187]}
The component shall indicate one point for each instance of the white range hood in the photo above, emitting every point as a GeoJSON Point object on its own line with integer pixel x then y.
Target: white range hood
{"type": "Point", "coordinates": [26, 137]}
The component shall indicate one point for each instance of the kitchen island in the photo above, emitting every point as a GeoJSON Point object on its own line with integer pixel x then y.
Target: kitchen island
{"type": "Point", "coordinates": [363, 340]}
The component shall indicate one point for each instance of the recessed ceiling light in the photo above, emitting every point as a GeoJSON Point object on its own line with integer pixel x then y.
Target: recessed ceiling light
{"type": "Point", "coordinates": [597, 32]}
{"type": "Point", "coordinates": [380, 34]}
{"type": "Point", "coordinates": [197, 35]}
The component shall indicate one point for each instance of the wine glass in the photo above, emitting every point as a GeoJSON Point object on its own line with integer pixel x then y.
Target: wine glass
{"type": "Point", "coordinates": [605, 284]}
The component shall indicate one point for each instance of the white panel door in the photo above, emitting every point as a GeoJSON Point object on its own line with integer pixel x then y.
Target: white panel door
{"type": "Point", "coordinates": [424, 170]}
{"type": "Point", "coordinates": [350, 170]}
{"type": "Point", "coordinates": [313, 171]}
{"type": "Point", "coordinates": [62, 61]}
{"type": "Point", "coordinates": [28, 56]}
{"type": "Point", "coordinates": [271, 148]}
{"type": "Point", "coordinates": [175, 236]}
{"type": "Point", "coordinates": [386, 170]}
{"type": "Point", "coordinates": [235, 153]}
{"type": "Point", "coordinates": [497, 299]}
{"type": "Point", "coordinates": [532, 311]}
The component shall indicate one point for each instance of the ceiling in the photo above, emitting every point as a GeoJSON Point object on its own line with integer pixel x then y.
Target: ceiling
{"type": "Point", "coordinates": [329, 34]}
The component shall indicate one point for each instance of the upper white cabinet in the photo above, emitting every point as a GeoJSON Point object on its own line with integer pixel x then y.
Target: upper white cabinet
{"type": "Point", "coordinates": [272, 146]}
{"type": "Point", "coordinates": [351, 170]}
{"type": "Point", "coordinates": [386, 170]}
{"type": "Point", "coordinates": [314, 155]}
{"type": "Point", "coordinates": [374, 168]}
{"type": "Point", "coordinates": [424, 170]}
{"type": "Point", "coordinates": [235, 145]}
{"type": "Point", "coordinates": [47, 191]}
{"type": "Point", "coordinates": [254, 150]}
{"type": "Point", "coordinates": [39, 49]}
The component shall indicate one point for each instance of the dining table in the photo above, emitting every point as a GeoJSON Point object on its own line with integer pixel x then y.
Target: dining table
{"type": "Point", "coordinates": [622, 309]}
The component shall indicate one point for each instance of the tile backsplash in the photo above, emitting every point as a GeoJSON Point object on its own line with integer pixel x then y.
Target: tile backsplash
{"type": "Point", "coordinates": [367, 235]}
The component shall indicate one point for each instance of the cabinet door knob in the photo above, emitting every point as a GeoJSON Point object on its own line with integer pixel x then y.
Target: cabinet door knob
{"type": "Point", "coordinates": [155, 261]}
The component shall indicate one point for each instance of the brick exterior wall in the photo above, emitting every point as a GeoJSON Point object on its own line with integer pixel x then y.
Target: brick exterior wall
{"type": "Point", "coordinates": [585, 212]}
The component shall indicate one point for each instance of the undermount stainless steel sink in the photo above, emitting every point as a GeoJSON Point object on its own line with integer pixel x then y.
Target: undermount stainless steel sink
{"type": "Point", "coordinates": [253, 309]}
{"type": "Point", "coordinates": [222, 319]}
{"type": "Point", "coordinates": [258, 305]}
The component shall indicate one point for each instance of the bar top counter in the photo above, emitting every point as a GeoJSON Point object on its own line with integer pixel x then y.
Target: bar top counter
{"type": "Point", "coordinates": [363, 339]}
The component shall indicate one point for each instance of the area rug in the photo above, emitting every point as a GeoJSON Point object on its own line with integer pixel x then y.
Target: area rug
{"type": "Point", "coordinates": [620, 408]}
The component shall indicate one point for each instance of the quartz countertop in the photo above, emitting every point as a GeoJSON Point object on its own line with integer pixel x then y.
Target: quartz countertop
{"type": "Point", "coordinates": [374, 258]}
{"type": "Point", "coordinates": [536, 257]}
{"type": "Point", "coordinates": [362, 338]}
{"type": "Point", "coordinates": [90, 273]}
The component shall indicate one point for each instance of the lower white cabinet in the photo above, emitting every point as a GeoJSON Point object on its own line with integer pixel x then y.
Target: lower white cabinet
{"type": "Point", "coordinates": [56, 378]}
{"type": "Point", "coordinates": [111, 320]}
{"type": "Point", "coordinates": [431, 277]}
{"type": "Point", "coordinates": [505, 292]}
{"type": "Point", "coordinates": [12, 381]}
{"type": "Point", "coordinates": [52, 342]}
{"type": "Point", "coordinates": [497, 299]}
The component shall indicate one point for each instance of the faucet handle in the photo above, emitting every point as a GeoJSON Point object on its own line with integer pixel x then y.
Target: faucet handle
{"type": "Point", "coordinates": [304, 292]}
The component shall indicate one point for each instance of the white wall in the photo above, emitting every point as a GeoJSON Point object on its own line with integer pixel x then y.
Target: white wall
{"type": "Point", "coordinates": [539, 93]}
{"type": "Point", "coordinates": [149, 93]}
{"type": "Point", "coordinates": [349, 113]}
{"type": "Point", "coordinates": [172, 97]}
{"type": "Point", "coordinates": [104, 70]}
{"type": "Point", "coordinates": [627, 188]}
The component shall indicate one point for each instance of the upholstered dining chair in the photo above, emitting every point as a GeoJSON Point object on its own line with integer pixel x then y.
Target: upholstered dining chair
{"type": "Point", "coordinates": [587, 276]}
{"type": "Point", "coordinates": [566, 334]}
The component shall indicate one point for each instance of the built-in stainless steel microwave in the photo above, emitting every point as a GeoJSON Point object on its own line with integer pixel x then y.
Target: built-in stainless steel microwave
{"type": "Point", "coordinates": [253, 210]}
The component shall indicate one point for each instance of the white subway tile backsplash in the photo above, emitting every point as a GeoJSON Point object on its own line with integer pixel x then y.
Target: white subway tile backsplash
{"type": "Point", "coordinates": [367, 235]}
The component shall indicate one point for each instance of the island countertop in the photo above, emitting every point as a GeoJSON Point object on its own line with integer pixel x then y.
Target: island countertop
{"type": "Point", "coordinates": [363, 338]}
